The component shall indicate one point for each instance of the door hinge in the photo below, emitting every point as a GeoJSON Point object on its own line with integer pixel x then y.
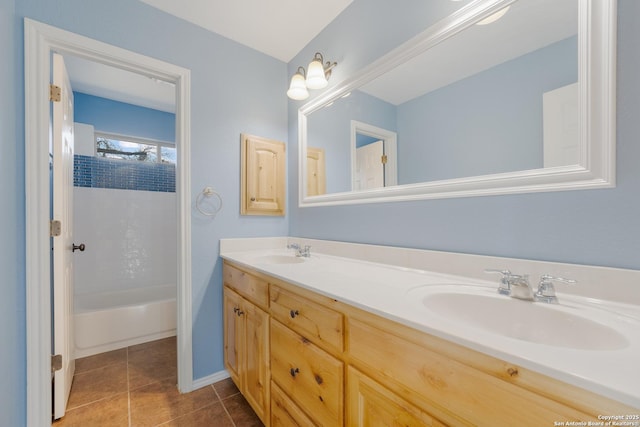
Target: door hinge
{"type": "Point", "coordinates": [55, 93]}
{"type": "Point", "coordinates": [384, 159]}
{"type": "Point", "coordinates": [55, 228]}
{"type": "Point", "coordinates": [56, 362]}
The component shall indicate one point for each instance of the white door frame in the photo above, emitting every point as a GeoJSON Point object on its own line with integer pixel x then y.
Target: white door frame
{"type": "Point", "coordinates": [390, 140]}
{"type": "Point", "coordinates": [40, 40]}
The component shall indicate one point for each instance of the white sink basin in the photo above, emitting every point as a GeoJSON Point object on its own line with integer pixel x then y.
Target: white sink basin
{"type": "Point", "coordinates": [278, 259]}
{"type": "Point", "coordinates": [568, 326]}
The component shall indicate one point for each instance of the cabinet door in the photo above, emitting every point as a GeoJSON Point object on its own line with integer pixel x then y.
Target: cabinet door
{"type": "Point", "coordinates": [232, 334]}
{"type": "Point", "coordinates": [372, 405]}
{"type": "Point", "coordinates": [285, 413]}
{"type": "Point", "coordinates": [263, 170]}
{"type": "Point", "coordinates": [256, 370]}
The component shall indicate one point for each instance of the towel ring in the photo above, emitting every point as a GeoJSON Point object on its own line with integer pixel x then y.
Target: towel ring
{"type": "Point", "coordinates": [208, 192]}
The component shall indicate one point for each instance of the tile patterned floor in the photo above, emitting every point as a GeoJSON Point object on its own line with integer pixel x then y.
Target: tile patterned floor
{"type": "Point", "coordinates": [136, 386]}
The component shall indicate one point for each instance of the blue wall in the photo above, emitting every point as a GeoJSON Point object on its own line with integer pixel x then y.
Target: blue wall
{"type": "Point", "coordinates": [487, 123]}
{"type": "Point", "coordinates": [598, 227]}
{"type": "Point", "coordinates": [12, 244]}
{"type": "Point", "coordinates": [107, 115]}
{"type": "Point", "coordinates": [225, 101]}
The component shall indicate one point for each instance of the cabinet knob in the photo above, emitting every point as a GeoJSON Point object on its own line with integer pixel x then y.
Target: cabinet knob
{"type": "Point", "coordinates": [238, 311]}
{"type": "Point", "coordinates": [293, 313]}
{"type": "Point", "coordinates": [253, 199]}
{"type": "Point", "coordinates": [294, 372]}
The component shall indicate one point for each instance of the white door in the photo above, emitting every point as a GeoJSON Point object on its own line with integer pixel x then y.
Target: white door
{"type": "Point", "coordinates": [62, 244]}
{"type": "Point", "coordinates": [370, 166]}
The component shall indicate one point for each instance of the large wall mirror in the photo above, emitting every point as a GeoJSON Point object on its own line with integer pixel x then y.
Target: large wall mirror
{"type": "Point", "coordinates": [502, 96]}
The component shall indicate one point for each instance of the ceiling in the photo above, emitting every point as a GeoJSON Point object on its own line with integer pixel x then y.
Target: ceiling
{"type": "Point", "coordinates": [278, 28]}
{"type": "Point", "coordinates": [281, 28]}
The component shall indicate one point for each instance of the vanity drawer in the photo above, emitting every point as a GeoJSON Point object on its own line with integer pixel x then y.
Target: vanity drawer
{"type": "Point", "coordinates": [317, 323]}
{"type": "Point", "coordinates": [249, 286]}
{"type": "Point", "coordinates": [312, 378]}
{"type": "Point", "coordinates": [454, 392]}
{"type": "Point", "coordinates": [285, 413]}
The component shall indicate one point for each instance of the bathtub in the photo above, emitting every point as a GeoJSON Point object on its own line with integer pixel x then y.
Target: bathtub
{"type": "Point", "coordinates": [109, 321]}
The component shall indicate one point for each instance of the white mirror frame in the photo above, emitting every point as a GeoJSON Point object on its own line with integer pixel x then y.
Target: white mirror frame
{"type": "Point", "coordinates": [597, 30]}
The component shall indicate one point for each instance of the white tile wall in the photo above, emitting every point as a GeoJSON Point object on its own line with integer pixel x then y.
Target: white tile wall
{"type": "Point", "coordinates": [130, 239]}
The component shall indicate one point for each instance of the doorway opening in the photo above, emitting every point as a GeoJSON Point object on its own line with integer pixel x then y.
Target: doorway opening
{"type": "Point", "coordinates": [373, 157]}
{"type": "Point", "coordinates": [41, 41]}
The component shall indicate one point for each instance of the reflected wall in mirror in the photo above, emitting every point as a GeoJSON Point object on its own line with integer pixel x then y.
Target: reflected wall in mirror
{"type": "Point", "coordinates": [517, 105]}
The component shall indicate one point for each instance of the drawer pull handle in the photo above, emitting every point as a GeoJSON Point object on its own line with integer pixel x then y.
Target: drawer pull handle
{"type": "Point", "coordinates": [293, 313]}
{"type": "Point", "coordinates": [294, 372]}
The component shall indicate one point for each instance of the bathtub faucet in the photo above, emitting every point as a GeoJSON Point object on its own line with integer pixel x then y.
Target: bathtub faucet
{"type": "Point", "coordinates": [300, 251]}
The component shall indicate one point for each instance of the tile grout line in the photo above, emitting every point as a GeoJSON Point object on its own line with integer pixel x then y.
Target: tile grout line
{"type": "Point", "coordinates": [223, 405]}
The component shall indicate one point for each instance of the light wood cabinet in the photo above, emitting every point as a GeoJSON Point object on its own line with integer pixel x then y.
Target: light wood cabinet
{"type": "Point", "coordinates": [321, 325]}
{"type": "Point", "coordinates": [246, 345]}
{"type": "Point", "coordinates": [333, 364]}
{"type": "Point", "coordinates": [372, 405]}
{"type": "Point", "coordinates": [262, 176]}
{"type": "Point", "coordinates": [446, 387]}
{"type": "Point", "coordinates": [285, 413]}
{"type": "Point", "coordinates": [250, 286]}
{"type": "Point", "coordinates": [311, 377]}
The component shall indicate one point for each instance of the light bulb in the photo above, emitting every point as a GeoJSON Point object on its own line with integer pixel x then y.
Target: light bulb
{"type": "Point", "coordinates": [297, 88]}
{"type": "Point", "coordinates": [315, 75]}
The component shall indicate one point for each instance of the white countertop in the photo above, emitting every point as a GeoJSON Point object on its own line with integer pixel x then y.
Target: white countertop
{"type": "Point", "coordinates": [385, 290]}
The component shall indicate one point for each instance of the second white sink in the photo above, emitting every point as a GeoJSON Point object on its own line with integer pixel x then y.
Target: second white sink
{"type": "Point", "coordinates": [552, 325]}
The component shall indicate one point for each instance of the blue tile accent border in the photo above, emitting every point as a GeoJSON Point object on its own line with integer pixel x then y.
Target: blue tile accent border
{"type": "Point", "coordinates": [96, 172]}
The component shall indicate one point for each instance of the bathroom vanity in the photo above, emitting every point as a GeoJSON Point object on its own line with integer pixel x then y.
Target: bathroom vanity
{"type": "Point", "coordinates": [309, 342]}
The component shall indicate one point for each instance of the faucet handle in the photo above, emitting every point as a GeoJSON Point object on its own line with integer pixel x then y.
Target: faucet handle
{"type": "Point", "coordinates": [546, 291]}
{"type": "Point", "coordinates": [505, 273]}
{"type": "Point", "coordinates": [547, 278]}
{"type": "Point", "coordinates": [505, 281]}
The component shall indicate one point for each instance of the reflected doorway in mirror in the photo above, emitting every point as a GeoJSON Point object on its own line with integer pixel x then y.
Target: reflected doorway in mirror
{"type": "Point", "coordinates": [378, 162]}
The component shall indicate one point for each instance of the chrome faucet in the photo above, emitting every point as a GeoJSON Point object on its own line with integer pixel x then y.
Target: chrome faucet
{"type": "Point", "coordinates": [301, 251]}
{"type": "Point", "coordinates": [517, 286]}
{"type": "Point", "coordinates": [514, 285]}
{"type": "Point", "coordinates": [546, 291]}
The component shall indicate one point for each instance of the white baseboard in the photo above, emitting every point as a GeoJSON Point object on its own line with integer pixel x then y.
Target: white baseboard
{"type": "Point", "coordinates": [210, 379]}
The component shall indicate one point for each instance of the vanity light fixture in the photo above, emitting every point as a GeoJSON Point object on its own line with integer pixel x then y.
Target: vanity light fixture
{"type": "Point", "coordinates": [315, 78]}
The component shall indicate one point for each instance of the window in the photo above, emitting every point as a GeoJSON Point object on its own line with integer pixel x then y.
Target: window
{"type": "Point", "coordinates": [129, 148]}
